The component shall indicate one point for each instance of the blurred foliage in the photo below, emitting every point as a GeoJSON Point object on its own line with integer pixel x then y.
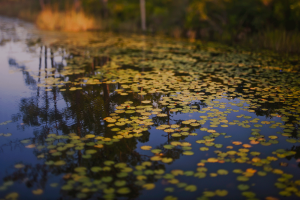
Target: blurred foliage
{"type": "Point", "coordinates": [222, 20]}
{"type": "Point", "coordinates": [238, 18]}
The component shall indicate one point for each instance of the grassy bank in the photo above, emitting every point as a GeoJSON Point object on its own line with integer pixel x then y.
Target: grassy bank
{"type": "Point", "coordinates": [257, 24]}
{"type": "Point", "coordinates": [277, 40]}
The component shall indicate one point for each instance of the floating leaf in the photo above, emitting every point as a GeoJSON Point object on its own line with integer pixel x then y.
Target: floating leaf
{"type": "Point", "coordinates": [80, 169]}
{"type": "Point", "coordinates": [109, 190]}
{"type": "Point", "coordinates": [90, 136]}
{"type": "Point", "coordinates": [200, 175]}
{"type": "Point", "coordinates": [177, 172]}
{"type": "Point", "coordinates": [156, 150]}
{"type": "Point", "coordinates": [98, 146]}
{"type": "Point", "coordinates": [204, 148]}
{"type": "Point", "coordinates": [19, 166]}
{"type": "Point", "coordinates": [188, 153]}
{"type": "Point", "coordinates": [86, 156]}
{"type": "Point", "coordinates": [149, 186]}
{"type": "Point", "coordinates": [12, 195]}
{"type": "Point", "coordinates": [96, 169]}
{"type": "Point", "coordinates": [170, 198]}
{"type": "Point", "coordinates": [155, 158]}
{"type": "Point", "coordinates": [169, 189]}
{"type": "Point", "coordinates": [209, 194]}
{"type": "Point", "coordinates": [146, 147]}
{"type": "Point", "coordinates": [167, 160]}
{"type": "Point", "coordinates": [67, 187]}
{"type": "Point", "coordinates": [189, 173]}
{"type": "Point", "coordinates": [30, 146]}
{"type": "Point", "coordinates": [60, 163]}
{"type": "Point", "coordinates": [124, 190]}
{"type": "Point", "coordinates": [221, 193]}
{"type": "Point", "coordinates": [191, 188]}
{"type": "Point", "coordinates": [222, 172]}
{"type": "Point", "coordinates": [243, 187]}
{"type": "Point", "coordinates": [248, 194]}
{"type": "Point", "coordinates": [37, 191]}
{"type": "Point", "coordinates": [109, 162]}
{"type": "Point", "coordinates": [242, 178]}
{"type": "Point", "coordinates": [107, 179]}
{"type": "Point", "coordinates": [168, 146]}
{"type": "Point", "coordinates": [146, 163]}
{"type": "Point", "coordinates": [176, 135]}
{"type": "Point", "coordinates": [218, 145]}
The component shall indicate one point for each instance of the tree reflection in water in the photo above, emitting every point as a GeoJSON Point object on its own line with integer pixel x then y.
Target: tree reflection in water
{"type": "Point", "coordinates": [83, 112]}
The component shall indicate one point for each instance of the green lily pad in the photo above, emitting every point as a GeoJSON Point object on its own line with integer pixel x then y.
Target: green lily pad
{"type": "Point", "coordinates": [190, 188]}
{"type": "Point", "coordinates": [96, 169]}
{"type": "Point", "coordinates": [123, 190]}
{"type": "Point", "coordinates": [222, 172]}
{"type": "Point", "coordinates": [243, 187]}
{"type": "Point", "coordinates": [169, 189]}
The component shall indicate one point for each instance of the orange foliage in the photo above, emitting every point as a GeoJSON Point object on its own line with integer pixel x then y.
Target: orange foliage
{"type": "Point", "coordinates": [251, 170]}
{"type": "Point", "coordinates": [266, 2]}
{"type": "Point", "coordinates": [254, 142]}
{"type": "Point", "coordinates": [247, 145]}
{"type": "Point", "coordinates": [49, 19]}
{"type": "Point", "coordinates": [237, 142]}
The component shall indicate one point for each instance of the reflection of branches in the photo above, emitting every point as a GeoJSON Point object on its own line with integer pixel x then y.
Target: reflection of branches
{"type": "Point", "coordinates": [295, 156]}
{"type": "Point", "coordinates": [86, 108]}
{"type": "Point", "coordinates": [16, 143]}
{"type": "Point", "coordinates": [31, 175]}
{"type": "Point", "coordinates": [173, 153]}
{"type": "Point", "coordinates": [29, 80]}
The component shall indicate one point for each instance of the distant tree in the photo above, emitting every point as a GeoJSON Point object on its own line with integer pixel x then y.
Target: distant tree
{"type": "Point", "coordinates": [104, 8]}
{"type": "Point", "coordinates": [42, 4]}
{"type": "Point", "coordinates": [77, 5]}
{"type": "Point", "coordinates": [143, 14]}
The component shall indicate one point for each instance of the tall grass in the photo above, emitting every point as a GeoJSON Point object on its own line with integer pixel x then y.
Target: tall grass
{"type": "Point", "coordinates": [69, 20]}
{"type": "Point", "coordinates": [277, 40]}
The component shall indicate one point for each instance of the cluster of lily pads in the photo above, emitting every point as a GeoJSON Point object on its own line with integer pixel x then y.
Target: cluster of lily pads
{"type": "Point", "coordinates": [171, 80]}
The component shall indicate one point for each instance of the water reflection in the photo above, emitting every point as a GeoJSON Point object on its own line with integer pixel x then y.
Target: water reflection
{"type": "Point", "coordinates": [63, 120]}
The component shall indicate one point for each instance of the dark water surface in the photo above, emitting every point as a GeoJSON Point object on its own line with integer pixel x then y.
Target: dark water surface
{"type": "Point", "coordinates": [100, 116]}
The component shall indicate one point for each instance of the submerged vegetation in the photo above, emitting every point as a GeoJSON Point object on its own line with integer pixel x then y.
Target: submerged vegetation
{"type": "Point", "coordinates": [109, 116]}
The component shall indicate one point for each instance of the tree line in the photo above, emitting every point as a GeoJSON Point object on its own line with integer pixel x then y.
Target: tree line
{"type": "Point", "coordinates": [222, 20]}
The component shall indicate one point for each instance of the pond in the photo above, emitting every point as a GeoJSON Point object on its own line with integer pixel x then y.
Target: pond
{"type": "Point", "coordinates": [106, 116]}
